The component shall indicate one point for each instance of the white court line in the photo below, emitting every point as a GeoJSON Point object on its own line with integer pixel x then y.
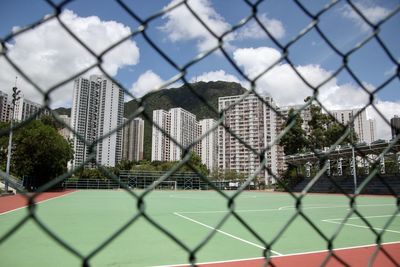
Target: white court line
{"type": "Point", "coordinates": [362, 226]}
{"type": "Point", "coordinates": [283, 256]}
{"type": "Point", "coordinates": [336, 206]}
{"type": "Point", "coordinates": [191, 197]}
{"type": "Point", "coordinates": [39, 202]}
{"type": "Point", "coordinates": [283, 208]}
{"type": "Point", "coordinates": [309, 208]}
{"type": "Point", "coordinates": [223, 211]}
{"type": "Point", "coordinates": [225, 233]}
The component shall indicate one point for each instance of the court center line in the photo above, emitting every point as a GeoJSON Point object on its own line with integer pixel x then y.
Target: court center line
{"type": "Point", "coordinates": [225, 233]}
{"type": "Point", "coordinates": [223, 211]}
{"type": "Point", "coordinates": [362, 226]}
{"type": "Point", "coordinates": [283, 208]}
{"type": "Point", "coordinates": [191, 197]}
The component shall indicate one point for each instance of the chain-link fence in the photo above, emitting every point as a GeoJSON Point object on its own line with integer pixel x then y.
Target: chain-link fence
{"type": "Point", "coordinates": [323, 161]}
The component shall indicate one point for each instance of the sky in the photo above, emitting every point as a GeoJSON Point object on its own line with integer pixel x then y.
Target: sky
{"type": "Point", "coordinates": [48, 55]}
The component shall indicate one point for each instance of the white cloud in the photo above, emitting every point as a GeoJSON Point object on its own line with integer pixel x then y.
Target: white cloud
{"type": "Point", "coordinates": [256, 60]}
{"type": "Point", "coordinates": [344, 96]}
{"type": "Point", "coordinates": [253, 31]}
{"type": "Point", "coordinates": [181, 25]}
{"type": "Point", "coordinates": [390, 72]}
{"type": "Point", "coordinates": [48, 55]}
{"type": "Point", "coordinates": [286, 87]}
{"type": "Point", "coordinates": [373, 13]}
{"type": "Point", "coordinates": [218, 75]}
{"type": "Point", "coordinates": [146, 82]}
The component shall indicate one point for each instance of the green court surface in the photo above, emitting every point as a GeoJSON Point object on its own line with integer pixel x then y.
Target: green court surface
{"type": "Point", "coordinates": [85, 219]}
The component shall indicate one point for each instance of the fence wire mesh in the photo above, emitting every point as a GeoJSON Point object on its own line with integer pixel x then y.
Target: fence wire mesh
{"type": "Point", "coordinates": [182, 70]}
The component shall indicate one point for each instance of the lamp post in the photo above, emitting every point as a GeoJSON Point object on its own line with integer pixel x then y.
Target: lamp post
{"type": "Point", "coordinates": [15, 97]}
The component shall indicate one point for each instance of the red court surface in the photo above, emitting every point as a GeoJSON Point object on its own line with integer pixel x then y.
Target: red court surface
{"type": "Point", "coordinates": [358, 256]}
{"type": "Point", "coordinates": [13, 202]}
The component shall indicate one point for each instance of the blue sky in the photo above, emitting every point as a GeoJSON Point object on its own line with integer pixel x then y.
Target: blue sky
{"type": "Point", "coordinates": [48, 55]}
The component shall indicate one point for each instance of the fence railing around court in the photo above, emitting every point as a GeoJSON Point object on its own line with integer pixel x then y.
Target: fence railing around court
{"type": "Point", "coordinates": [141, 180]}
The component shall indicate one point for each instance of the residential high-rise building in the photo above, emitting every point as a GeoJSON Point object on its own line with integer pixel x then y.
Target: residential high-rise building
{"type": "Point", "coordinates": [109, 151]}
{"type": "Point", "coordinates": [395, 126]}
{"type": "Point", "coordinates": [97, 109]}
{"type": "Point", "coordinates": [198, 145]}
{"type": "Point", "coordinates": [160, 141]}
{"type": "Point", "coordinates": [361, 126]}
{"type": "Point", "coordinates": [372, 130]}
{"type": "Point", "coordinates": [209, 144]}
{"type": "Point", "coordinates": [184, 129]}
{"type": "Point", "coordinates": [4, 107]}
{"type": "Point", "coordinates": [180, 125]}
{"type": "Point", "coordinates": [84, 117]}
{"type": "Point", "coordinates": [133, 140]}
{"type": "Point", "coordinates": [24, 109]}
{"type": "Point", "coordinates": [254, 122]}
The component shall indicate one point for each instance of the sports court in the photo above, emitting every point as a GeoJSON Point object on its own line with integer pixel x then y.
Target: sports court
{"type": "Point", "coordinates": [85, 220]}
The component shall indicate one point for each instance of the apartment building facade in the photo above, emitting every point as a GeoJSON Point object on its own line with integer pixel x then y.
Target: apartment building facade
{"type": "Point", "coordinates": [372, 130]}
{"type": "Point", "coordinates": [24, 108]}
{"type": "Point", "coordinates": [364, 128]}
{"type": "Point", "coordinates": [97, 109]}
{"type": "Point", "coordinates": [209, 143]}
{"type": "Point", "coordinates": [184, 129]}
{"type": "Point", "coordinates": [160, 141]}
{"type": "Point", "coordinates": [182, 126]}
{"type": "Point", "coordinates": [254, 121]}
{"type": "Point", "coordinates": [395, 126]}
{"type": "Point", "coordinates": [5, 106]}
{"type": "Point", "coordinates": [133, 139]}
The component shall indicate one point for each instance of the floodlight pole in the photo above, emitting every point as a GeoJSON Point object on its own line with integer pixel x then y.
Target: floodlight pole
{"type": "Point", "coordinates": [15, 97]}
{"type": "Point", "coordinates": [354, 169]}
{"type": "Point", "coordinates": [353, 157]}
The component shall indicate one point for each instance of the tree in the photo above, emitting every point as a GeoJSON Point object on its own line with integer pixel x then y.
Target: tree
{"type": "Point", "coordinates": [125, 165]}
{"type": "Point", "coordinates": [295, 139]}
{"type": "Point", "coordinates": [40, 153]}
{"type": "Point", "coordinates": [51, 121]}
{"type": "Point", "coordinates": [231, 175]}
{"type": "Point", "coordinates": [4, 126]}
{"type": "Point", "coordinates": [318, 125]}
{"type": "Point", "coordinates": [90, 173]}
{"type": "Point", "coordinates": [195, 161]}
{"type": "Point", "coordinates": [324, 131]}
{"type": "Point", "coordinates": [216, 174]}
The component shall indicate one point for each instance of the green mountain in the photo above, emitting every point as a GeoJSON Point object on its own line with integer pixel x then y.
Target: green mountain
{"type": "Point", "coordinates": [63, 111]}
{"type": "Point", "coordinates": [184, 97]}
